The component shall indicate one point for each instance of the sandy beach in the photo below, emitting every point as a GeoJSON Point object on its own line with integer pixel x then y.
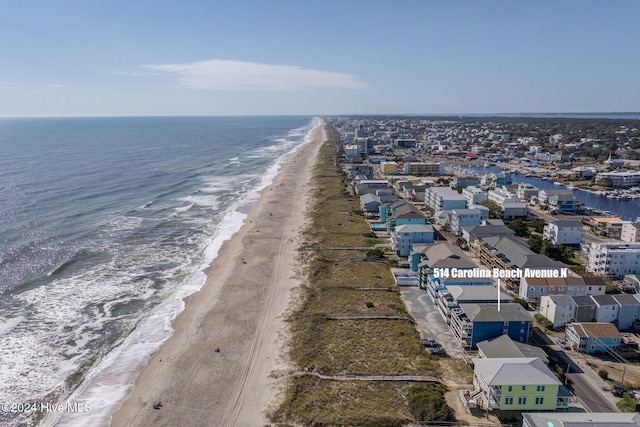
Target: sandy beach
{"type": "Point", "coordinates": [240, 309]}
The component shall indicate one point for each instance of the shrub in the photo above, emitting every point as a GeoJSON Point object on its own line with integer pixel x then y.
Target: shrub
{"type": "Point", "coordinates": [603, 374]}
{"type": "Point", "coordinates": [375, 253]}
{"type": "Point", "coordinates": [627, 403]}
{"type": "Point", "coordinates": [428, 404]}
{"type": "Point", "coordinates": [524, 304]}
{"type": "Point", "coordinates": [546, 323]}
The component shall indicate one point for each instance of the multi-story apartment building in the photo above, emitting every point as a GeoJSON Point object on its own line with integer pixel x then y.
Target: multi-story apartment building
{"type": "Point", "coordinates": [613, 259]}
{"type": "Point", "coordinates": [424, 169]}
{"type": "Point", "coordinates": [619, 179]}
{"type": "Point", "coordinates": [630, 232]}
{"type": "Point", "coordinates": [405, 236]}
{"type": "Point", "coordinates": [444, 198]}
{"type": "Point", "coordinates": [474, 195]}
{"type": "Point", "coordinates": [502, 196]}
{"type": "Point", "coordinates": [533, 289]}
{"type": "Point", "coordinates": [464, 218]}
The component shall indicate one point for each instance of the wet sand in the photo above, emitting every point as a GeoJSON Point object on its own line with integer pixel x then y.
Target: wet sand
{"type": "Point", "coordinates": [240, 309]}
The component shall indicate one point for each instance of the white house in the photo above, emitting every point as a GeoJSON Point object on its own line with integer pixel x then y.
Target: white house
{"type": "Point", "coordinates": [564, 232]}
{"type": "Point", "coordinates": [607, 308]}
{"type": "Point", "coordinates": [514, 210]}
{"type": "Point", "coordinates": [527, 191]}
{"type": "Point", "coordinates": [559, 309]}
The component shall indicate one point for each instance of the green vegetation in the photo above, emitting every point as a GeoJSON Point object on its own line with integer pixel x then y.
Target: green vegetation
{"type": "Point", "coordinates": [519, 227]}
{"type": "Point", "coordinates": [522, 302]}
{"type": "Point", "coordinates": [612, 289]}
{"type": "Point", "coordinates": [557, 252]}
{"type": "Point", "coordinates": [546, 323]}
{"type": "Point", "coordinates": [537, 225]}
{"type": "Point", "coordinates": [495, 211]}
{"type": "Point", "coordinates": [428, 404]}
{"type": "Point", "coordinates": [375, 253]}
{"type": "Point", "coordinates": [328, 337]}
{"type": "Point", "coordinates": [535, 243]}
{"type": "Point", "coordinates": [311, 401]}
{"type": "Point", "coordinates": [604, 374]}
{"type": "Point", "coordinates": [627, 403]}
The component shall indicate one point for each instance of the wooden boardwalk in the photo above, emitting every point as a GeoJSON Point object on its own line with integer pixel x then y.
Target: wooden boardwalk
{"type": "Point", "coordinates": [365, 377]}
{"type": "Point", "coordinates": [367, 317]}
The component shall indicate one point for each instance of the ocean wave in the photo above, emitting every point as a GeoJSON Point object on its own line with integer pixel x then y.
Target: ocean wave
{"type": "Point", "coordinates": [114, 272]}
{"type": "Point", "coordinates": [109, 382]}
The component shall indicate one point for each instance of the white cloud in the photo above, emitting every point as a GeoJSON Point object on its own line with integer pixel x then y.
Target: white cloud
{"type": "Point", "coordinates": [220, 74]}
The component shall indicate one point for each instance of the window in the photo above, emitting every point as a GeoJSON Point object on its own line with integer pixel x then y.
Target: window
{"type": "Point", "coordinates": [540, 388]}
{"type": "Point", "coordinates": [508, 400]}
{"type": "Point", "coordinates": [524, 387]}
{"type": "Point", "coordinates": [539, 400]}
{"type": "Point", "coordinates": [506, 323]}
{"type": "Point", "coordinates": [522, 400]}
{"type": "Point", "coordinates": [510, 388]}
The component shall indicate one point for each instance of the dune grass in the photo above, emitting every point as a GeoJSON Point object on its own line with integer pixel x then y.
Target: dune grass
{"type": "Point", "coordinates": [338, 285]}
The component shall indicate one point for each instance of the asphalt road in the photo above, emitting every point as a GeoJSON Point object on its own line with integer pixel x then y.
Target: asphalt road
{"type": "Point", "coordinates": [591, 398]}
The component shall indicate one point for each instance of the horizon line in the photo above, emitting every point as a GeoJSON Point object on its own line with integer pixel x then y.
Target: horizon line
{"type": "Point", "coordinates": [537, 113]}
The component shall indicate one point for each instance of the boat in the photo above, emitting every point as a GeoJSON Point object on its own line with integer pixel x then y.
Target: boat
{"type": "Point", "coordinates": [557, 183]}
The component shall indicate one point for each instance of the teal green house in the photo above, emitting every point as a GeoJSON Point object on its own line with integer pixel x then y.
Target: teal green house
{"type": "Point", "coordinates": [388, 209]}
{"type": "Point", "coordinates": [402, 215]}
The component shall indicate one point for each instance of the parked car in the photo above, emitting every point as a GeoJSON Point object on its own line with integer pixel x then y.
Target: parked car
{"type": "Point", "coordinates": [563, 344]}
{"type": "Point", "coordinates": [429, 342]}
{"type": "Point", "coordinates": [438, 350]}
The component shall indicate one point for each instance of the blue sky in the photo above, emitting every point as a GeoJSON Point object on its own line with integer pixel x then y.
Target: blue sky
{"type": "Point", "coordinates": [158, 57]}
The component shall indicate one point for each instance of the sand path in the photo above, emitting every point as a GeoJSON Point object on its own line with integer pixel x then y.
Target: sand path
{"type": "Point", "coordinates": [240, 309]}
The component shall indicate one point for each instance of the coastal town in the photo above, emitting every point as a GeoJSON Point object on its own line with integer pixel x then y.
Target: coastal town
{"type": "Point", "coordinates": [523, 235]}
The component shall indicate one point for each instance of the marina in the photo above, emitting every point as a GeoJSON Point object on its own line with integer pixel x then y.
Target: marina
{"type": "Point", "coordinates": [596, 202]}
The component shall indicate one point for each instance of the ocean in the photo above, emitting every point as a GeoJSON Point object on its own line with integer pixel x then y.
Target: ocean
{"type": "Point", "coordinates": [106, 224]}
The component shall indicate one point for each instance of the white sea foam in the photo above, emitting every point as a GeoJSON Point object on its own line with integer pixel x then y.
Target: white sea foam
{"type": "Point", "coordinates": [7, 325]}
{"type": "Point", "coordinates": [111, 380]}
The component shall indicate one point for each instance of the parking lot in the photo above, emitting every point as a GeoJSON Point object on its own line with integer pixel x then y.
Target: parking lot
{"type": "Point", "coordinates": [429, 321]}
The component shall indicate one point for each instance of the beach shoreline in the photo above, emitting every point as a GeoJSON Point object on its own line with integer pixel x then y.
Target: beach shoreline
{"type": "Point", "coordinates": [240, 310]}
